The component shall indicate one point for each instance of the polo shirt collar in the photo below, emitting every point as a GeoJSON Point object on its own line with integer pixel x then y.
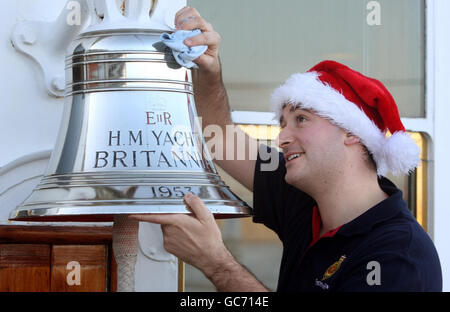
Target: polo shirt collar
{"type": "Point", "coordinates": [383, 211]}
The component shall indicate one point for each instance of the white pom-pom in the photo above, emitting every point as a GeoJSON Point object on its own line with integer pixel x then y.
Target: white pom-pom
{"type": "Point", "coordinates": [401, 154]}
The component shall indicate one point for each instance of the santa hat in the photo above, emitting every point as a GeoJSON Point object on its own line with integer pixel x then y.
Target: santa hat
{"type": "Point", "coordinates": [357, 104]}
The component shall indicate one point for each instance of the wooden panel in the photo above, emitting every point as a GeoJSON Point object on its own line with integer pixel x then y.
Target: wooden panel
{"type": "Point", "coordinates": [55, 234]}
{"type": "Point", "coordinates": [181, 276]}
{"type": "Point", "coordinates": [421, 211]}
{"type": "Point", "coordinates": [24, 268]}
{"type": "Point", "coordinates": [87, 272]}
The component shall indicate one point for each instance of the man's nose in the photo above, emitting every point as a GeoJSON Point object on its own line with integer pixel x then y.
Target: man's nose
{"type": "Point", "coordinates": [284, 138]}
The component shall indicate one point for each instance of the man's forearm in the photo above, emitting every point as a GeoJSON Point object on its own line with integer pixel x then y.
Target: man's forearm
{"type": "Point", "coordinates": [233, 277]}
{"type": "Point", "coordinates": [211, 99]}
{"type": "Point", "coordinates": [235, 151]}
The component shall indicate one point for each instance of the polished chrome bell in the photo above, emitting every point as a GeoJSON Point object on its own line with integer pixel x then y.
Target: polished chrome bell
{"type": "Point", "coordinates": [129, 141]}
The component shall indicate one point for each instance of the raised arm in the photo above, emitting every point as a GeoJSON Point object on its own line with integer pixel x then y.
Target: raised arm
{"type": "Point", "coordinates": [196, 239]}
{"type": "Point", "coordinates": [212, 101]}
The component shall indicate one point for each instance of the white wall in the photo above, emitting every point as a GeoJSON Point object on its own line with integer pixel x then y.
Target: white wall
{"type": "Point", "coordinates": [439, 93]}
{"type": "Point", "coordinates": [29, 117]}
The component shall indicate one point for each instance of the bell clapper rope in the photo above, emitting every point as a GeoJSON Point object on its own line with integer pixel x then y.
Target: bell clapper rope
{"type": "Point", "coordinates": [125, 247]}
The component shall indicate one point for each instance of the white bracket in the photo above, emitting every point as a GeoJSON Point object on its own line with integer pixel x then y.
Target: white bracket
{"type": "Point", "coordinates": [133, 14]}
{"type": "Point", "coordinates": [46, 43]}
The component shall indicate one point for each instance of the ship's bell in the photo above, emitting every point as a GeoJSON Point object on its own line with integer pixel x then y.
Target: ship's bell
{"type": "Point", "coordinates": [130, 140]}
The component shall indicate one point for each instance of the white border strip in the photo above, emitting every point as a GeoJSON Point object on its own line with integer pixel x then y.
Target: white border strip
{"type": "Point", "coordinates": [254, 118]}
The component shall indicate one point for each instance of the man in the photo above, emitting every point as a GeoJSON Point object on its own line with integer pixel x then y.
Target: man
{"type": "Point", "coordinates": [343, 226]}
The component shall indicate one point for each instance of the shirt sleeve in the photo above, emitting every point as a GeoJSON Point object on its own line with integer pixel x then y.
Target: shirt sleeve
{"type": "Point", "coordinates": [276, 203]}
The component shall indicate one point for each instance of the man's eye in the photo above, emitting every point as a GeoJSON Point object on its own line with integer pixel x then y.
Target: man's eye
{"type": "Point", "coordinates": [301, 118]}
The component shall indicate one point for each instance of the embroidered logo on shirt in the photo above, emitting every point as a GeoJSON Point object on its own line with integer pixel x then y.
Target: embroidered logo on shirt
{"type": "Point", "coordinates": [333, 268]}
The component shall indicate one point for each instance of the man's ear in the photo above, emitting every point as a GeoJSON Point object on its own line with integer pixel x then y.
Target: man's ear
{"type": "Point", "coordinates": [351, 139]}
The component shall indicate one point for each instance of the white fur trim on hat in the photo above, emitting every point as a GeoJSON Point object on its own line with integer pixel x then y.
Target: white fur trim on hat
{"type": "Point", "coordinates": [397, 153]}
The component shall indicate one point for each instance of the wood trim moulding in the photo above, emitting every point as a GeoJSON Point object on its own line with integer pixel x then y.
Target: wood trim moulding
{"type": "Point", "coordinates": [55, 234]}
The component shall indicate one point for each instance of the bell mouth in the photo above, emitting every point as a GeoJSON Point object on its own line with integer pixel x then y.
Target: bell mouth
{"type": "Point", "coordinates": [98, 197]}
{"type": "Point", "coordinates": [107, 213]}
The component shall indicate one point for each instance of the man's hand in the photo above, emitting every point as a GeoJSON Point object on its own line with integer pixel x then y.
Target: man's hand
{"type": "Point", "coordinates": [188, 19]}
{"type": "Point", "coordinates": [195, 239]}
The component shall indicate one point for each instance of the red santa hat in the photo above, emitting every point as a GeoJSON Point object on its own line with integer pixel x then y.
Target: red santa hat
{"type": "Point", "coordinates": [357, 104]}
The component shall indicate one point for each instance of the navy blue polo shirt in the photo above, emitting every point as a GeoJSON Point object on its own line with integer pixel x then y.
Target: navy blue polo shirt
{"type": "Point", "coordinates": [384, 249]}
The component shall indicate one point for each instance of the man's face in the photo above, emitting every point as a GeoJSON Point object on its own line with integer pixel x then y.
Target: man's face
{"type": "Point", "coordinates": [312, 146]}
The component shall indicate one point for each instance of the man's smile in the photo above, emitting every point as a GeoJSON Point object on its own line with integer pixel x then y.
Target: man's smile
{"type": "Point", "coordinates": [291, 156]}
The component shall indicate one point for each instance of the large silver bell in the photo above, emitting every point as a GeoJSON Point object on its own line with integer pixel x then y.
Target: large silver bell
{"type": "Point", "coordinates": [129, 141]}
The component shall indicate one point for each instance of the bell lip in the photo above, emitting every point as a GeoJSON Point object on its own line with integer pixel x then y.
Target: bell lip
{"type": "Point", "coordinates": [107, 213]}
